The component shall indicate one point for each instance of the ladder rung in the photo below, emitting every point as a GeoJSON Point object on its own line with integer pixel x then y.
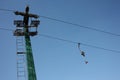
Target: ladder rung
{"type": "Point", "coordinates": [21, 75]}
{"type": "Point", "coordinates": [20, 42]}
{"type": "Point", "coordinates": [20, 71]}
{"type": "Point", "coordinates": [19, 48]}
{"type": "Point", "coordinates": [20, 67]}
{"type": "Point", "coordinates": [20, 55]}
{"type": "Point", "coordinates": [21, 59]}
{"type": "Point", "coordinates": [20, 52]}
{"type": "Point", "coordinates": [20, 62]}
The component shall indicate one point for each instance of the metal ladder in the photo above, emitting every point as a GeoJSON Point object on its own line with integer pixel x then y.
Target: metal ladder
{"type": "Point", "coordinates": [21, 58]}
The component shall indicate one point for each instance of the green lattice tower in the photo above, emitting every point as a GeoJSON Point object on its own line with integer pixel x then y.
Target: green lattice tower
{"type": "Point", "coordinates": [26, 33]}
{"type": "Point", "coordinates": [29, 56]}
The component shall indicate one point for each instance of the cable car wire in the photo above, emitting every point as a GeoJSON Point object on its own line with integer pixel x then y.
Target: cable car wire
{"type": "Point", "coordinates": [69, 41]}
{"type": "Point", "coordinates": [6, 29]}
{"type": "Point", "coordinates": [57, 38]}
{"type": "Point", "coordinates": [7, 10]}
{"type": "Point", "coordinates": [78, 25]}
{"type": "Point", "coordinates": [84, 44]}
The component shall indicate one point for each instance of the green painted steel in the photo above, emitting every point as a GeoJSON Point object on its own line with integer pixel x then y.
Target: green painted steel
{"type": "Point", "coordinates": [29, 57]}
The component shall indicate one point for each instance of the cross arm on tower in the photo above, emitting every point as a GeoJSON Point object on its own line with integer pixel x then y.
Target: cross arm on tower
{"type": "Point", "coordinates": [24, 14]}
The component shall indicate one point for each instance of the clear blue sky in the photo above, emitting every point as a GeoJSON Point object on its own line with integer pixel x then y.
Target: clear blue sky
{"type": "Point", "coordinates": [59, 60]}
